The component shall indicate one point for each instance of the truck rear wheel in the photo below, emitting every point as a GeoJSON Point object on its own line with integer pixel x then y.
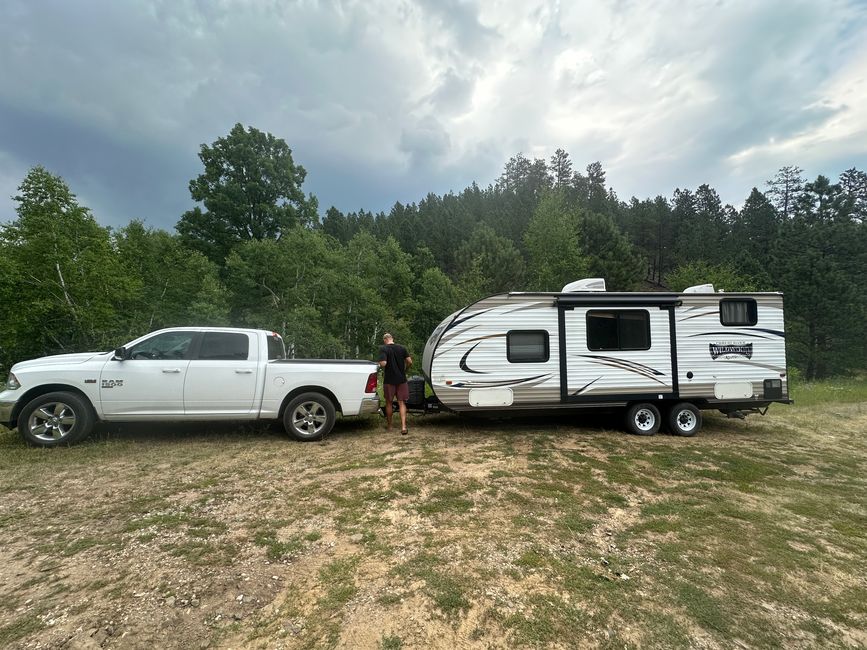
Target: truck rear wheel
{"type": "Point", "coordinates": [684, 419]}
{"type": "Point", "coordinates": [56, 419]}
{"type": "Point", "coordinates": [309, 416]}
{"type": "Point", "coordinates": [643, 419]}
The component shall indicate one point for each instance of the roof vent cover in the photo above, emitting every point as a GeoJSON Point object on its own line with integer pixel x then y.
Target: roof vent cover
{"type": "Point", "coordinates": [587, 284]}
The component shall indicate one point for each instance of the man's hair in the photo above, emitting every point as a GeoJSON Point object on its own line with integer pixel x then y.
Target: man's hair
{"type": "Point", "coordinates": [387, 337]}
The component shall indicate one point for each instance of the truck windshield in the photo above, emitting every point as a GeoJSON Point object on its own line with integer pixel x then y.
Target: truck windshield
{"type": "Point", "coordinates": [276, 349]}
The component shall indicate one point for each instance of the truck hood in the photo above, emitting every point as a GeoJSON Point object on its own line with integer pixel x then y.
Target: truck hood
{"type": "Point", "coordinates": [58, 359]}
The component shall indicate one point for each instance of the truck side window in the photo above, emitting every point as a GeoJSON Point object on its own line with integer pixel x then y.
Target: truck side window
{"type": "Point", "coordinates": [224, 346]}
{"type": "Point", "coordinates": [527, 346]}
{"type": "Point", "coordinates": [168, 345]}
{"type": "Point", "coordinates": [738, 311]}
{"type": "Point", "coordinates": [618, 330]}
{"type": "Point", "coordinates": [276, 349]}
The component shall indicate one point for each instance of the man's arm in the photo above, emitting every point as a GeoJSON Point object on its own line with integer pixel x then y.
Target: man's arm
{"type": "Point", "coordinates": [382, 357]}
{"type": "Point", "coordinates": [408, 361]}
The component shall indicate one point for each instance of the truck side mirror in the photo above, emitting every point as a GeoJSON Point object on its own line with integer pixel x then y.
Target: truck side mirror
{"type": "Point", "coordinates": [120, 354]}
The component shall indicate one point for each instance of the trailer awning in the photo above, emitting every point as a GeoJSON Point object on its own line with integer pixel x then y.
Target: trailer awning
{"type": "Point", "coordinates": [623, 300]}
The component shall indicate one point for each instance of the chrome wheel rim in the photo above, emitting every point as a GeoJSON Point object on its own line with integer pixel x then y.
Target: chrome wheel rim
{"type": "Point", "coordinates": [309, 418]}
{"type": "Point", "coordinates": [686, 420]}
{"type": "Point", "coordinates": [645, 419]}
{"type": "Point", "coordinates": [51, 422]}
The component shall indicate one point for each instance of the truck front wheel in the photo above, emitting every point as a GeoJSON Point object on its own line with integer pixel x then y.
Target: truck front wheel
{"type": "Point", "coordinates": [55, 419]}
{"type": "Point", "coordinates": [309, 416]}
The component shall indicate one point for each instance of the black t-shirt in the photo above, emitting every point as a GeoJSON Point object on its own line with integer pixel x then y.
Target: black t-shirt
{"type": "Point", "coordinates": [394, 356]}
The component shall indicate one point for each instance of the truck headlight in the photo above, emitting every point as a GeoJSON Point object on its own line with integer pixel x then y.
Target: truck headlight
{"type": "Point", "coordinates": [12, 382]}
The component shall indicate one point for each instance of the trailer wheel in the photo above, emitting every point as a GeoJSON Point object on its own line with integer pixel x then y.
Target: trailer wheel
{"type": "Point", "coordinates": [643, 419]}
{"type": "Point", "coordinates": [684, 419]}
{"type": "Point", "coordinates": [309, 416]}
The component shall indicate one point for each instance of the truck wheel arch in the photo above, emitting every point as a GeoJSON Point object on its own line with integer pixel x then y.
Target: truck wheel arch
{"type": "Point", "coordinates": [308, 389]}
{"type": "Point", "coordinates": [44, 389]}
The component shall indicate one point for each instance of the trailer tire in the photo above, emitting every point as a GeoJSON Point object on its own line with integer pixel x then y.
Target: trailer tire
{"type": "Point", "coordinates": [684, 419]}
{"type": "Point", "coordinates": [309, 416]}
{"type": "Point", "coordinates": [643, 419]}
{"type": "Point", "coordinates": [56, 419]}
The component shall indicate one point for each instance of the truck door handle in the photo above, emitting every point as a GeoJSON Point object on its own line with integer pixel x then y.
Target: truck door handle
{"type": "Point", "coordinates": [245, 371]}
{"type": "Point", "coordinates": [171, 370]}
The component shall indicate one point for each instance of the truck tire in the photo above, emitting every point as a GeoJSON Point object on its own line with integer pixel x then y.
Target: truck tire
{"type": "Point", "coordinates": [56, 419]}
{"type": "Point", "coordinates": [309, 416]}
{"type": "Point", "coordinates": [643, 419]}
{"type": "Point", "coordinates": [684, 419]}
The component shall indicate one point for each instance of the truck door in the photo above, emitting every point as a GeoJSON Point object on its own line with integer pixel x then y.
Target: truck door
{"type": "Point", "coordinates": [616, 354]}
{"type": "Point", "coordinates": [221, 380]}
{"type": "Point", "coordinates": [150, 382]}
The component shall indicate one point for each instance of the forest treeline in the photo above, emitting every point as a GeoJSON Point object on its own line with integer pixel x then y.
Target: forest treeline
{"type": "Point", "coordinates": [255, 251]}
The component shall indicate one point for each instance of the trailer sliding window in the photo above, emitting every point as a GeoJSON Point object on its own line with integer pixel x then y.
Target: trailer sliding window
{"type": "Point", "coordinates": [738, 311]}
{"type": "Point", "coordinates": [618, 330]}
{"type": "Point", "coordinates": [527, 346]}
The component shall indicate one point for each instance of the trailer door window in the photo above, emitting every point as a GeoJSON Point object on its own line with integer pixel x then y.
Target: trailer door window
{"type": "Point", "coordinates": [618, 330]}
{"type": "Point", "coordinates": [528, 346]}
{"type": "Point", "coordinates": [738, 311]}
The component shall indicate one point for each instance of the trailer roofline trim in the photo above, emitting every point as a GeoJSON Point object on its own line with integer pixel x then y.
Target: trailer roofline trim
{"type": "Point", "coordinates": [615, 300]}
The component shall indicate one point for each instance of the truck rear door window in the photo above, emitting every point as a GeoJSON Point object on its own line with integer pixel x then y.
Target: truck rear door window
{"type": "Point", "coordinates": [224, 346]}
{"type": "Point", "coordinates": [276, 349]}
{"type": "Point", "coordinates": [738, 311]}
{"type": "Point", "coordinates": [528, 346]}
{"type": "Point", "coordinates": [618, 330]}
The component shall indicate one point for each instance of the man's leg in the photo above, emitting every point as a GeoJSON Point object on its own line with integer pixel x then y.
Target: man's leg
{"type": "Point", "coordinates": [389, 410]}
{"type": "Point", "coordinates": [402, 406]}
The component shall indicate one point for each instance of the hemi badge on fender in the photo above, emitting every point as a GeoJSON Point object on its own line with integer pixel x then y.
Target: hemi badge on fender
{"type": "Point", "coordinates": [90, 381]}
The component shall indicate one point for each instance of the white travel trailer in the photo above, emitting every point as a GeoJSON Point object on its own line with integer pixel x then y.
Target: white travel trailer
{"type": "Point", "coordinates": [660, 356]}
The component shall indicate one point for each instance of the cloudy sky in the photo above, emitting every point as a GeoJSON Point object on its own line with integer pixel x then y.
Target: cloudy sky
{"type": "Point", "coordinates": [386, 100]}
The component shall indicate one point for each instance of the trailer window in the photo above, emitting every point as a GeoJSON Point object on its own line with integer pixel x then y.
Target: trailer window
{"type": "Point", "coordinates": [527, 346]}
{"type": "Point", "coordinates": [618, 330]}
{"type": "Point", "coordinates": [738, 311]}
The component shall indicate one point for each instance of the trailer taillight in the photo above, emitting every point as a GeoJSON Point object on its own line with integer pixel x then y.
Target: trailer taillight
{"type": "Point", "coordinates": [371, 383]}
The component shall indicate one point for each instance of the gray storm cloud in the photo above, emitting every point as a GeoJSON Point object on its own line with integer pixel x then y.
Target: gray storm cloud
{"type": "Point", "coordinates": [385, 101]}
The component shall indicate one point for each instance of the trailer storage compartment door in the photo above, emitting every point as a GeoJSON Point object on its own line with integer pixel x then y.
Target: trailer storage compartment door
{"type": "Point", "coordinates": [616, 353]}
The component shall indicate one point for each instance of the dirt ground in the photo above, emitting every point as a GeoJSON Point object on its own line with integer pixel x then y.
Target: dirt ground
{"type": "Point", "coordinates": [465, 534]}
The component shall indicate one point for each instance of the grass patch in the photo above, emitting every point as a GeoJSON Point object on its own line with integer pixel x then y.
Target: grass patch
{"type": "Point", "coordinates": [443, 586]}
{"type": "Point", "coordinates": [19, 628]}
{"type": "Point", "coordinates": [392, 642]}
{"type": "Point", "coordinates": [446, 501]}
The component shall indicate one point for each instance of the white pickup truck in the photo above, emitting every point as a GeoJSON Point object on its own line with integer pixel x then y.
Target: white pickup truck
{"type": "Point", "coordinates": [185, 373]}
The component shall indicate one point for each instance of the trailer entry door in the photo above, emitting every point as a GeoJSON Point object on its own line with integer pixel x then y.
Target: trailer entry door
{"type": "Point", "coordinates": [616, 353]}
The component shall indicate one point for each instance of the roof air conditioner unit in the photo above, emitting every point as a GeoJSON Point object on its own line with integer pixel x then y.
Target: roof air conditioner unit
{"type": "Point", "coordinates": [699, 288]}
{"type": "Point", "coordinates": [587, 284]}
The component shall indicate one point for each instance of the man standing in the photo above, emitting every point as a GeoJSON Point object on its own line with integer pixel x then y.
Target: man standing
{"type": "Point", "coordinates": [395, 359]}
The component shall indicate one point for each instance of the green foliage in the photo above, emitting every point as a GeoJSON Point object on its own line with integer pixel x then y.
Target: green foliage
{"type": "Point", "coordinates": [722, 277]}
{"type": "Point", "coordinates": [490, 262]}
{"type": "Point", "coordinates": [554, 255]}
{"type": "Point", "coordinates": [177, 286]}
{"type": "Point", "coordinates": [608, 253]}
{"type": "Point", "coordinates": [251, 190]}
{"type": "Point", "coordinates": [63, 285]}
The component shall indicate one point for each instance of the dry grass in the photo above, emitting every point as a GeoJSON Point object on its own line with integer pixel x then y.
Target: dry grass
{"type": "Point", "coordinates": [465, 534]}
